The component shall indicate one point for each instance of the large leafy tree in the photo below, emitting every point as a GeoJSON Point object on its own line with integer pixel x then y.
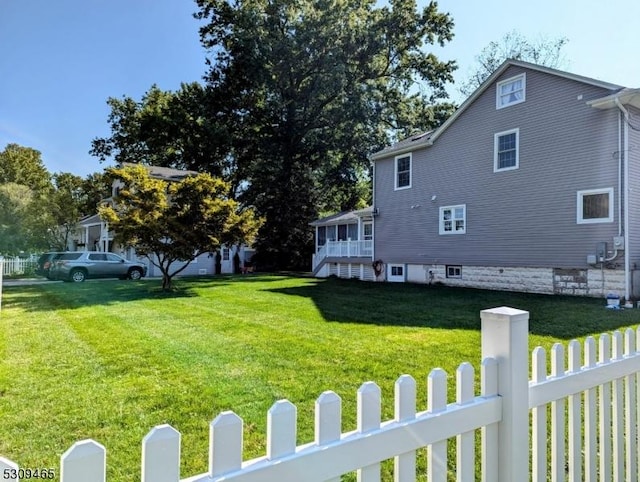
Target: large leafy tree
{"type": "Point", "coordinates": [545, 51]}
{"type": "Point", "coordinates": [176, 221]}
{"type": "Point", "coordinates": [171, 129]}
{"type": "Point", "coordinates": [308, 89]}
{"type": "Point", "coordinates": [39, 210]}
{"type": "Point", "coordinates": [25, 187]}
{"type": "Point", "coordinates": [23, 165]}
{"type": "Point", "coordinates": [64, 205]}
{"type": "Point", "coordinates": [15, 218]}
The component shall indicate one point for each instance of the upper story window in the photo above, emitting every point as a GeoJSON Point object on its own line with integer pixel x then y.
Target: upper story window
{"type": "Point", "coordinates": [403, 172]}
{"type": "Point", "coordinates": [595, 206]}
{"type": "Point", "coordinates": [511, 91]}
{"type": "Point", "coordinates": [506, 150]}
{"type": "Point", "coordinates": [453, 219]}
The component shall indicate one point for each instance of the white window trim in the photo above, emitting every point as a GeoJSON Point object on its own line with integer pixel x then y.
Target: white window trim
{"type": "Point", "coordinates": [522, 76]}
{"type": "Point", "coordinates": [454, 267]}
{"type": "Point", "coordinates": [441, 220]}
{"type": "Point", "coordinates": [395, 172]}
{"type": "Point", "coordinates": [496, 137]}
{"type": "Point", "coordinates": [586, 192]}
{"type": "Point", "coordinates": [397, 278]}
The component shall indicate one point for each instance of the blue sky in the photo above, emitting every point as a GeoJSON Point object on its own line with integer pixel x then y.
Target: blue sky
{"type": "Point", "coordinates": [61, 59]}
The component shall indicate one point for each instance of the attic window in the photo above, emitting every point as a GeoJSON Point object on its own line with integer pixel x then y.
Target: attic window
{"type": "Point", "coordinates": [511, 91]}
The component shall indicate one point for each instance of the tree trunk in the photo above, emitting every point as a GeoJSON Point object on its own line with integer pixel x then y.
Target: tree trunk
{"type": "Point", "coordinates": [166, 282]}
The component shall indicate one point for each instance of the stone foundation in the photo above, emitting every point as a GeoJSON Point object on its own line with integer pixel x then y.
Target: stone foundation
{"type": "Point", "coordinates": [577, 282]}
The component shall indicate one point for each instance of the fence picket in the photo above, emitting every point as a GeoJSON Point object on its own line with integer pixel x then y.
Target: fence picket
{"type": "Point", "coordinates": [7, 468]}
{"type": "Point", "coordinates": [161, 455]}
{"type": "Point", "coordinates": [85, 461]}
{"type": "Point", "coordinates": [225, 444]}
{"type": "Point", "coordinates": [558, 461]}
{"type": "Point", "coordinates": [604, 403]}
{"type": "Point", "coordinates": [281, 429]}
{"type": "Point", "coordinates": [328, 420]}
{"type": "Point", "coordinates": [575, 418]}
{"type": "Point", "coordinates": [405, 409]}
{"type": "Point", "coordinates": [489, 433]}
{"type": "Point", "coordinates": [436, 403]}
{"type": "Point", "coordinates": [369, 417]}
{"type": "Point", "coordinates": [631, 414]}
{"type": "Point", "coordinates": [539, 420]}
{"type": "Point", "coordinates": [590, 429]}
{"type": "Point", "coordinates": [465, 442]}
{"type": "Point", "coordinates": [617, 404]}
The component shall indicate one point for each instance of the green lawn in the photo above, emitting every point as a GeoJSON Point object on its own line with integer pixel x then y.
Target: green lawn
{"type": "Point", "coordinates": [109, 360]}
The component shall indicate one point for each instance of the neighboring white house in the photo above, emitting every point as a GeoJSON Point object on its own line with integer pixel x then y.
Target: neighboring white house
{"type": "Point", "coordinates": [93, 234]}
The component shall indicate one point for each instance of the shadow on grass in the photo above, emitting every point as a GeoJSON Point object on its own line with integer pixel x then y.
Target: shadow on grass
{"type": "Point", "coordinates": [399, 304]}
{"type": "Point", "coordinates": [56, 295]}
{"type": "Point", "coordinates": [46, 297]}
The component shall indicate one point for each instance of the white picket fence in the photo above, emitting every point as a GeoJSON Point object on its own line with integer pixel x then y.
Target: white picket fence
{"type": "Point", "coordinates": [13, 266]}
{"type": "Point", "coordinates": [598, 392]}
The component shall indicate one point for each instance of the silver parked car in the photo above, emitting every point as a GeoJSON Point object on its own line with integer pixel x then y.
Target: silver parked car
{"type": "Point", "coordinates": [80, 265]}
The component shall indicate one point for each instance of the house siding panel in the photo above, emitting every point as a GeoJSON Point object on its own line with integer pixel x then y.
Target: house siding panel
{"type": "Point", "coordinates": [521, 218]}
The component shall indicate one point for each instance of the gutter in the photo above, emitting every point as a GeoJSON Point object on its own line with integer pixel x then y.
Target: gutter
{"type": "Point", "coordinates": [627, 257]}
{"type": "Point", "coordinates": [391, 152]}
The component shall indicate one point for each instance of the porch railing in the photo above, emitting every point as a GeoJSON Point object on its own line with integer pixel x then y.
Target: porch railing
{"type": "Point", "coordinates": [344, 249]}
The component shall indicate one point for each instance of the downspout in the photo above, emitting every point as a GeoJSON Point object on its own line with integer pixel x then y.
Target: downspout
{"type": "Point", "coordinates": [619, 173]}
{"type": "Point", "coordinates": [373, 214]}
{"type": "Point", "coordinates": [627, 257]}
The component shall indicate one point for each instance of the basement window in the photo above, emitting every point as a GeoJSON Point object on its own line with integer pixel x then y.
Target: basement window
{"type": "Point", "coordinates": [454, 271]}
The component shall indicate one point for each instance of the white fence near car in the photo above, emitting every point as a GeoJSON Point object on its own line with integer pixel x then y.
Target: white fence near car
{"type": "Point", "coordinates": [14, 266]}
{"type": "Point", "coordinates": [596, 440]}
{"type": "Point", "coordinates": [1, 276]}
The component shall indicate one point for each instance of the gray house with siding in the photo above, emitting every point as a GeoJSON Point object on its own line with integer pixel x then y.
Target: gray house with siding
{"type": "Point", "coordinates": [532, 185]}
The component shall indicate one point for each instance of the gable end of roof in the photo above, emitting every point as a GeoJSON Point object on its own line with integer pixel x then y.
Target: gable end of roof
{"type": "Point", "coordinates": [404, 146]}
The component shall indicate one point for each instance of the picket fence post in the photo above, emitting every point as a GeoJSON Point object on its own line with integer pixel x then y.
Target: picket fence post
{"type": "Point", "coordinates": [505, 337]}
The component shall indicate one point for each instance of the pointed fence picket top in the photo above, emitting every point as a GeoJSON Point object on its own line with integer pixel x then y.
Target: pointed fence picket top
{"type": "Point", "coordinates": [489, 439]}
{"type": "Point", "coordinates": [405, 391]}
{"type": "Point", "coordinates": [281, 429]}
{"type": "Point", "coordinates": [7, 467]}
{"type": "Point", "coordinates": [328, 420]}
{"type": "Point", "coordinates": [161, 455]}
{"type": "Point", "coordinates": [465, 394]}
{"type": "Point", "coordinates": [574, 414]}
{"type": "Point", "coordinates": [618, 411]}
{"type": "Point", "coordinates": [437, 402]}
{"type": "Point", "coordinates": [558, 407]}
{"type": "Point", "coordinates": [369, 417]}
{"type": "Point", "coordinates": [630, 387]}
{"type": "Point", "coordinates": [85, 461]}
{"type": "Point", "coordinates": [604, 405]}
{"type": "Point", "coordinates": [539, 419]}
{"type": "Point", "coordinates": [590, 411]}
{"type": "Point", "coordinates": [225, 444]}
